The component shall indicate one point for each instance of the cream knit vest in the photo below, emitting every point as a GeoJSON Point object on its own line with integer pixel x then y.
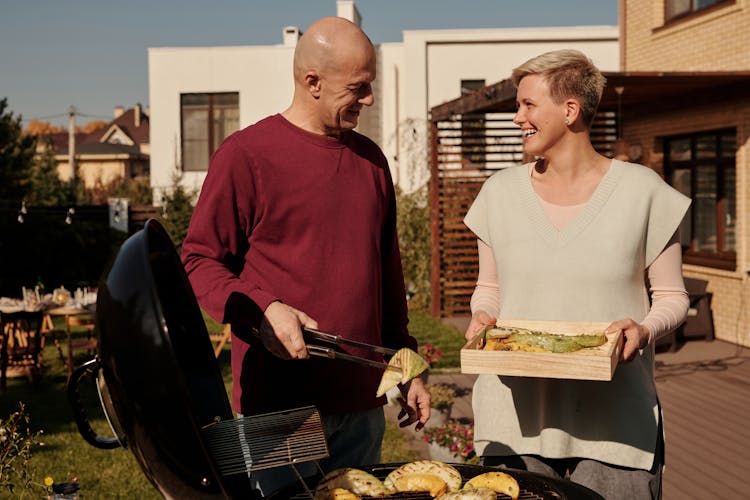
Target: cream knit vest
{"type": "Point", "coordinates": [591, 270]}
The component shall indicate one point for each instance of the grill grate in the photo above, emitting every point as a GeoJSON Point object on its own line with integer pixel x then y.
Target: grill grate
{"type": "Point", "coordinates": [524, 495]}
{"type": "Point", "coordinates": [532, 486]}
{"type": "Point", "coordinates": [265, 441]}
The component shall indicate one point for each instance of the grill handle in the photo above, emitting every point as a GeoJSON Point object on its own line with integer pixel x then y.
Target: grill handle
{"type": "Point", "coordinates": [90, 369]}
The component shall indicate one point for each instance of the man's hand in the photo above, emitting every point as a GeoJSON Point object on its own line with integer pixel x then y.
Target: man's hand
{"type": "Point", "coordinates": [281, 333]}
{"type": "Point", "coordinates": [634, 337]}
{"type": "Point", "coordinates": [416, 407]}
{"type": "Point", "coordinates": [479, 321]}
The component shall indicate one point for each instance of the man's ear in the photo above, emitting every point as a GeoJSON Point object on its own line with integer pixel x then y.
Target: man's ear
{"type": "Point", "coordinates": [312, 81]}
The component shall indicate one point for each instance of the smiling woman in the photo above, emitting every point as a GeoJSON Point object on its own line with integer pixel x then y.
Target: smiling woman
{"type": "Point", "coordinates": [564, 230]}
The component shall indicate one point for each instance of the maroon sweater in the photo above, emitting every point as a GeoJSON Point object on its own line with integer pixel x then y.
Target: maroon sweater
{"type": "Point", "coordinates": [310, 221]}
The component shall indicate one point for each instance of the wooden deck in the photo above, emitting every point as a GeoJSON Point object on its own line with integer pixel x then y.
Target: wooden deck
{"type": "Point", "coordinates": [704, 388]}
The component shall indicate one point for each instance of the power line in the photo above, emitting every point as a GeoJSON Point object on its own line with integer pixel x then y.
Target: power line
{"type": "Point", "coordinates": [64, 115]}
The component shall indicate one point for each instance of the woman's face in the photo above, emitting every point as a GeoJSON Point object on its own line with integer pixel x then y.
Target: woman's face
{"type": "Point", "coordinates": [542, 121]}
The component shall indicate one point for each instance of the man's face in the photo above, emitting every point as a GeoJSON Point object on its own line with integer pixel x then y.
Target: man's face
{"type": "Point", "coordinates": [345, 89]}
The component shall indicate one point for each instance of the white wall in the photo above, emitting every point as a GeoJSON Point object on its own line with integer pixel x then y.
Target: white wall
{"type": "Point", "coordinates": [433, 63]}
{"type": "Point", "coordinates": [413, 76]}
{"type": "Point", "coordinates": [262, 75]}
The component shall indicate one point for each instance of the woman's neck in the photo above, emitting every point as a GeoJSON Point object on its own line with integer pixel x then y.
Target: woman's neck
{"type": "Point", "coordinates": [569, 179]}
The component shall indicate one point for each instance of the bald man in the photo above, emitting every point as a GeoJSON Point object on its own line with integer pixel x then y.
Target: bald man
{"type": "Point", "coordinates": [296, 226]}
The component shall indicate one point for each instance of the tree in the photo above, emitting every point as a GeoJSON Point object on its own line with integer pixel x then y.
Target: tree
{"type": "Point", "coordinates": [138, 191]}
{"type": "Point", "coordinates": [413, 221]}
{"type": "Point", "coordinates": [16, 156]}
{"type": "Point", "coordinates": [45, 187]}
{"type": "Point", "coordinates": [38, 128]}
{"type": "Point", "coordinates": [178, 209]}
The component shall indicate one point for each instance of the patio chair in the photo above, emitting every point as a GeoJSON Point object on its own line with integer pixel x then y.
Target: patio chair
{"type": "Point", "coordinates": [21, 346]}
{"type": "Point", "coordinates": [700, 320]}
{"type": "Point", "coordinates": [221, 339]}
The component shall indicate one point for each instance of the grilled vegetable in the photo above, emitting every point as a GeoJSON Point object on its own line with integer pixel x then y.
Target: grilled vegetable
{"type": "Point", "coordinates": [410, 365]}
{"type": "Point", "coordinates": [471, 494]}
{"type": "Point", "coordinates": [355, 481]}
{"type": "Point", "coordinates": [341, 494]}
{"type": "Point", "coordinates": [496, 481]}
{"type": "Point", "coordinates": [522, 339]}
{"type": "Point", "coordinates": [447, 473]}
{"type": "Point", "coordinates": [419, 481]}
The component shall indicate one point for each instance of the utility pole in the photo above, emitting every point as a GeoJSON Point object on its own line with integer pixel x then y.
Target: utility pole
{"type": "Point", "coordinates": [72, 152]}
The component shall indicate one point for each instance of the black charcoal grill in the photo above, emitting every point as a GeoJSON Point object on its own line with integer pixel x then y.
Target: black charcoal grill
{"type": "Point", "coordinates": [162, 392]}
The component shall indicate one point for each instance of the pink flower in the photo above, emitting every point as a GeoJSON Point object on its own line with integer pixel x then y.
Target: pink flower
{"type": "Point", "coordinates": [456, 436]}
{"type": "Point", "coordinates": [430, 353]}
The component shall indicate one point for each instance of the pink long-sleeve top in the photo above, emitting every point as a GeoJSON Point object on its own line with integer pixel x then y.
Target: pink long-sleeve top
{"type": "Point", "coordinates": [669, 299]}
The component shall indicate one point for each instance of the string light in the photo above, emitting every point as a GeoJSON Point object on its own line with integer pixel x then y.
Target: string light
{"type": "Point", "coordinates": [118, 209]}
{"type": "Point", "coordinates": [22, 211]}
{"type": "Point", "coordinates": [69, 216]}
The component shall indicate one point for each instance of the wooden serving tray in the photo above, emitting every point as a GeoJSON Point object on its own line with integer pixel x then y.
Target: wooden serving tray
{"type": "Point", "coordinates": [594, 363]}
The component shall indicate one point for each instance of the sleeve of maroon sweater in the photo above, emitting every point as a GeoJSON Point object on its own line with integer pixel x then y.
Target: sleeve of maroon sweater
{"type": "Point", "coordinates": [395, 311]}
{"type": "Point", "coordinates": [214, 248]}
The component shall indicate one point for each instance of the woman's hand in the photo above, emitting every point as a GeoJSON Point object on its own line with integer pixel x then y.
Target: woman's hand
{"type": "Point", "coordinates": [634, 337]}
{"type": "Point", "coordinates": [479, 321]}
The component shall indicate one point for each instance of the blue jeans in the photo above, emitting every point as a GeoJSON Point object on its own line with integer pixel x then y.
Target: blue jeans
{"type": "Point", "coordinates": [354, 439]}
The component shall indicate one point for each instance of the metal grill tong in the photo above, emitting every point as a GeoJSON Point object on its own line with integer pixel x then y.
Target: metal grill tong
{"type": "Point", "coordinates": [311, 335]}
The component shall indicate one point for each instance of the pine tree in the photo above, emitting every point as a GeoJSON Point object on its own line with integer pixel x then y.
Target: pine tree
{"type": "Point", "coordinates": [16, 156]}
{"type": "Point", "coordinates": [178, 209]}
{"type": "Point", "coordinates": [45, 185]}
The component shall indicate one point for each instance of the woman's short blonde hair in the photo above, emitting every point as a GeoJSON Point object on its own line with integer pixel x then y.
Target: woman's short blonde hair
{"type": "Point", "coordinates": [569, 74]}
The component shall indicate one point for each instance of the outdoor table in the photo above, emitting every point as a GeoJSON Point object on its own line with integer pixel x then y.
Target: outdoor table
{"type": "Point", "coordinates": [68, 311]}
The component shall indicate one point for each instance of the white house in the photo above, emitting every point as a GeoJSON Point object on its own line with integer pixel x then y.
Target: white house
{"type": "Point", "coordinates": [237, 86]}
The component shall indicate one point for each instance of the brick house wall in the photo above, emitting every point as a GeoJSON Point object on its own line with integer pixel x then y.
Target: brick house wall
{"type": "Point", "coordinates": [717, 39]}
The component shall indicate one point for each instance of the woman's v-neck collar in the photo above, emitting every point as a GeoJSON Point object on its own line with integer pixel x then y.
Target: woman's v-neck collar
{"type": "Point", "coordinates": [542, 224]}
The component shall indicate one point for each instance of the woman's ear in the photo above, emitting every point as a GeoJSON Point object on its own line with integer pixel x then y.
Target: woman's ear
{"type": "Point", "coordinates": [572, 111]}
{"type": "Point", "coordinates": [312, 81]}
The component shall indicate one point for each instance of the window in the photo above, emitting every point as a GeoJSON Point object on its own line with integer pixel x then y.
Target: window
{"type": "Point", "coordinates": [473, 141]}
{"type": "Point", "coordinates": [702, 166]}
{"type": "Point", "coordinates": [469, 86]}
{"type": "Point", "coordinates": [207, 119]}
{"type": "Point", "coordinates": [674, 9]}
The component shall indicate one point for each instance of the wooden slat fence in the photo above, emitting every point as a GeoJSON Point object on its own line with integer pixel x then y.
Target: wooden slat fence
{"type": "Point", "coordinates": [465, 150]}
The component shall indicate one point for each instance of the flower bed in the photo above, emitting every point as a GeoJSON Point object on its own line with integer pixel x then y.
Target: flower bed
{"type": "Point", "coordinates": [456, 437]}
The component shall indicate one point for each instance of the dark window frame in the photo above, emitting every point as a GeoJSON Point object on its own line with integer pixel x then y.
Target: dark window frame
{"type": "Point", "coordinates": [212, 142]}
{"type": "Point", "coordinates": [694, 10]}
{"type": "Point", "coordinates": [721, 259]}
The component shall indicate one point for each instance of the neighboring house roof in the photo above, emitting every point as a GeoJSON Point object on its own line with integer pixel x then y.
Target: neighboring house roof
{"type": "Point", "coordinates": [127, 125]}
{"type": "Point", "coordinates": [123, 135]}
{"type": "Point", "coordinates": [59, 140]}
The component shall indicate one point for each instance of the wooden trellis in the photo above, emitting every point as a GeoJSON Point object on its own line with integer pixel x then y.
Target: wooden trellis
{"type": "Point", "coordinates": [470, 142]}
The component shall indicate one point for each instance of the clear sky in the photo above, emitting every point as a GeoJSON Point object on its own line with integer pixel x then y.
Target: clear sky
{"type": "Point", "coordinates": [92, 54]}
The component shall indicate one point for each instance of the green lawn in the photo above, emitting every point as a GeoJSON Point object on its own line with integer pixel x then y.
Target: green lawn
{"type": "Point", "coordinates": [115, 473]}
